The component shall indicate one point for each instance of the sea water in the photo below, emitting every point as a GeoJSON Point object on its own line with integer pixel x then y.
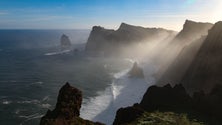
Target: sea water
{"type": "Point", "coordinates": [33, 69]}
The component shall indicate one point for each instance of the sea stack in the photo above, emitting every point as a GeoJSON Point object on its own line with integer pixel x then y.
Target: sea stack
{"type": "Point", "coordinates": [65, 42]}
{"type": "Point", "coordinates": [67, 109]}
{"type": "Point", "coordinates": [136, 71]}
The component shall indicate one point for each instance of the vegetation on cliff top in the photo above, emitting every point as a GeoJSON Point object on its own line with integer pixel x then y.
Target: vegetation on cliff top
{"type": "Point", "coordinates": [164, 118]}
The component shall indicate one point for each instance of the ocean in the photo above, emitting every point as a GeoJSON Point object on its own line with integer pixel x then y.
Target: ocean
{"type": "Point", "coordinates": [33, 69]}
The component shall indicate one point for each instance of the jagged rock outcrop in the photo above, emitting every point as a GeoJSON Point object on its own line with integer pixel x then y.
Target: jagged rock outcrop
{"type": "Point", "coordinates": [67, 109]}
{"type": "Point", "coordinates": [128, 114]}
{"type": "Point", "coordinates": [136, 71]}
{"type": "Point", "coordinates": [65, 42]}
{"type": "Point", "coordinates": [166, 98]}
{"type": "Point", "coordinates": [205, 70]}
{"type": "Point", "coordinates": [205, 107]}
{"type": "Point", "coordinates": [111, 41]}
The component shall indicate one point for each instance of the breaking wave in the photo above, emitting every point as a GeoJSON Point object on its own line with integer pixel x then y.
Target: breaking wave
{"type": "Point", "coordinates": [123, 92]}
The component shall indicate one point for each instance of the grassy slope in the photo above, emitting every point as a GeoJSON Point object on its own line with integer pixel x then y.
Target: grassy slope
{"type": "Point", "coordinates": [164, 118]}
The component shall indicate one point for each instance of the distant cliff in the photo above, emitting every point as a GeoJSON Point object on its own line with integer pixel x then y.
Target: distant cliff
{"type": "Point", "coordinates": [110, 41]}
{"type": "Point", "coordinates": [205, 70]}
{"type": "Point", "coordinates": [191, 33]}
{"type": "Point", "coordinates": [67, 109]}
{"type": "Point", "coordinates": [179, 66]}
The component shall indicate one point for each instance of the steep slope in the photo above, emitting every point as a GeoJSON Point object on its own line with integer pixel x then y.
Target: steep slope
{"type": "Point", "coordinates": [205, 70]}
{"type": "Point", "coordinates": [179, 66]}
{"type": "Point", "coordinates": [111, 41]}
{"type": "Point", "coordinates": [191, 32]}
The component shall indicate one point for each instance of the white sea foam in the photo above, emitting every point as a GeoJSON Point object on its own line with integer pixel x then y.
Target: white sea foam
{"type": "Point", "coordinates": [37, 83]}
{"type": "Point", "coordinates": [6, 102]}
{"type": "Point", "coordinates": [34, 101]}
{"type": "Point", "coordinates": [47, 106]}
{"type": "Point", "coordinates": [30, 117]}
{"type": "Point", "coordinates": [46, 98]}
{"type": "Point", "coordinates": [123, 92]}
{"type": "Point", "coordinates": [57, 53]}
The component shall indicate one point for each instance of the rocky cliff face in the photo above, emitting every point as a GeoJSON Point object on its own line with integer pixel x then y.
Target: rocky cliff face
{"type": "Point", "coordinates": [67, 109]}
{"type": "Point", "coordinates": [110, 41]}
{"type": "Point", "coordinates": [205, 70]}
{"type": "Point", "coordinates": [179, 66]}
{"type": "Point", "coordinates": [192, 32]}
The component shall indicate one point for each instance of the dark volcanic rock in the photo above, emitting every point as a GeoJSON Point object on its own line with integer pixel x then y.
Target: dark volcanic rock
{"type": "Point", "coordinates": [65, 42]}
{"type": "Point", "coordinates": [166, 98]}
{"type": "Point", "coordinates": [136, 71]}
{"type": "Point", "coordinates": [209, 104]}
{"type": "Point", "coordinates": [128, 114]}
{"type": "Point", "coordinates": [67, 109]}
{"type": "Point", "coordinates": [111, 41]}
{"type": "Point", "coordinates": [205, 70]}
{"type": "Point", "coordinates": [205, 107]}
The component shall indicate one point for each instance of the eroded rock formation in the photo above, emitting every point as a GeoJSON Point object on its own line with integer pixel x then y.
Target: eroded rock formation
{"type": "Point", "coordinates": [65, 42]}
{"type": "Point", "coordinates": [67, 109]}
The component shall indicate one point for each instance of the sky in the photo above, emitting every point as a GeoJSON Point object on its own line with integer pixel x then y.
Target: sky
{"type": "Point", "coordinates": [83, 14]}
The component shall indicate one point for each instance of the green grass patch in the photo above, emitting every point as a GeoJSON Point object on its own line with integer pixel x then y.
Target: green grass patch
{"type": "Point", "coordinates": [164, 118]}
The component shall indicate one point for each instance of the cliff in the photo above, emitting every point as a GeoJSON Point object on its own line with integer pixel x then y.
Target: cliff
{"type": "Point", "coordinates": [67, 109]}
{"type": "Point", "coordinates": [205, 70]}
{"type": "Point", "coordinates": [111, 41]}
{"type": "Point", "coordinates": [191, 33]}
{"type": "Point", "coordinates": [179, 66]}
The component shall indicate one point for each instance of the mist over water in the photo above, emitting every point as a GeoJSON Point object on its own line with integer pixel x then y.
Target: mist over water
{"type": "Point", "coordinates": [33, 69]}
